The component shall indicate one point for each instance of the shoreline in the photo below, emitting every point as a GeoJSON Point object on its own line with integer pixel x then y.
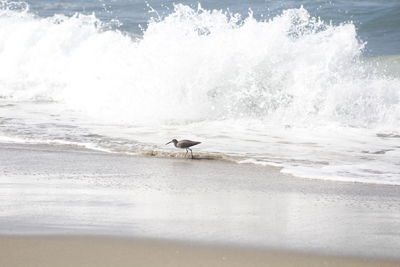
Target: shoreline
{"type": "Point", "coordinates": [198, 156]}
{"type": "Point", "coordinates": [150, 154]}
{"type": "Point", "coordinates": [64, 193]}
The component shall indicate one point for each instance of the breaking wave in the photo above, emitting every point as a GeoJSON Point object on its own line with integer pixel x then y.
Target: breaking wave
{"type": "Point", "coordinates": [196, 65]}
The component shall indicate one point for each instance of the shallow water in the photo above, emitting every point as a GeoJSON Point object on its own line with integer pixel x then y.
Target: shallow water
{"type": "Point", "coordinates": [205, 201]}
{"type": "Point", "coordinates": [314, 90]}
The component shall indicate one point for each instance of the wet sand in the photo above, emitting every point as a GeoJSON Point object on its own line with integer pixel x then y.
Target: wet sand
{"type": "Point", "coordinates": [82, 207]}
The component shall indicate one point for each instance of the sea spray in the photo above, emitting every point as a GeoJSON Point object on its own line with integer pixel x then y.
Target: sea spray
{"type": "Point", "coordinates": [193, 65]}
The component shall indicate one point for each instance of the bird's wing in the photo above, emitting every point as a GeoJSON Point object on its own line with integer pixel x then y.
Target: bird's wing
{"type": "Point", "coordinates": [187, 143]}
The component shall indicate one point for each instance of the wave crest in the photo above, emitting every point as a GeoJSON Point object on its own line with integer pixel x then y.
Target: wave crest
{"type": "Point", "coordinates": [196, 64]}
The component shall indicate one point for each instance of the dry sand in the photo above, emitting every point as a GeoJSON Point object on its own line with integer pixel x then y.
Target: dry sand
{"type": "Point", "coordinates": [101, 251]}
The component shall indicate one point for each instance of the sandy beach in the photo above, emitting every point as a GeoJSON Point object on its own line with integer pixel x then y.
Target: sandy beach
{"type": "Point", "coordinates": [65, 206]}
{"type": "Point", "coordinates": [105, 251]}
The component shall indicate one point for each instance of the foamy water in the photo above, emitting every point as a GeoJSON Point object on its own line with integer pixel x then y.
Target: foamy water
{"type": "Point", "coordinates": [290, 91]}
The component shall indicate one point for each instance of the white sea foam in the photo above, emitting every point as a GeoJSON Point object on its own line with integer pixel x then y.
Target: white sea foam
{"type": "Point", "coordinates": [292, 91]}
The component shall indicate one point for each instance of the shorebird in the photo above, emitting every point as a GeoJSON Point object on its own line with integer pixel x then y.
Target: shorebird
{"type": "Point", "coordinates": [184, 144]}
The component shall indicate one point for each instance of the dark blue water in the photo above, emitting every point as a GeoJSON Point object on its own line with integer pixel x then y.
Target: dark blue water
{"type": "Point", "coordinates": [377, 22]}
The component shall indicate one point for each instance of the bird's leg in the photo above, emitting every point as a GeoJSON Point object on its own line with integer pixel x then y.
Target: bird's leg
{"type": "Point", "coordinates": [186, 152]}
{"type": "Point", "coordinates": [191, 152]}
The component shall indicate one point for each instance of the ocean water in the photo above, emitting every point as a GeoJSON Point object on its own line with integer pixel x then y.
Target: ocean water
{"type": "Point", "coordinates": [312, 87]}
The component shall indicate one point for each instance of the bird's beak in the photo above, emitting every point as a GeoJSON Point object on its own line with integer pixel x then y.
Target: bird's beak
{"type": "Point", "coordinates": [169, 142]}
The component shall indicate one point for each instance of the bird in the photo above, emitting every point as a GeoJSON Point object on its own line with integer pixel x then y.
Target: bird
{"type": "Point", "coordinates": [184, 144]}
